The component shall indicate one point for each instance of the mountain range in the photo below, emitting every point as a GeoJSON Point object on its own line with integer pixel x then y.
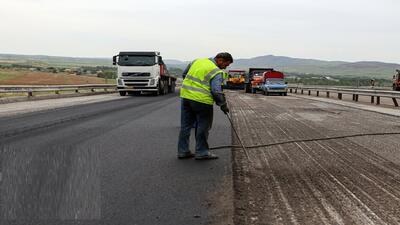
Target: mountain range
{"type": "Point", "coordinates": [281, 63]}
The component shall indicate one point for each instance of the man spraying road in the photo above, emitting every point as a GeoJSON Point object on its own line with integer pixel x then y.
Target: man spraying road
{"type": "Point", "coordinates": [200, 89]}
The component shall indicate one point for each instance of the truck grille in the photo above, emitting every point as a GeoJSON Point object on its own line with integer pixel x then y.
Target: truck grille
{"type": "Point", "coordinates": [136, 74]}
{"type": "Point", "coordinates": [136, 83]}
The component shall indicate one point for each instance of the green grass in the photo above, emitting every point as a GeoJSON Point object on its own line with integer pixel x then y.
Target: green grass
{"type": "Point", "coordinates": [7, 75]}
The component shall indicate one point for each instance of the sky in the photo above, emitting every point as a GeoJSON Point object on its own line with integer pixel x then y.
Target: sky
{"type": "Point", "coordinates": [348, 30]}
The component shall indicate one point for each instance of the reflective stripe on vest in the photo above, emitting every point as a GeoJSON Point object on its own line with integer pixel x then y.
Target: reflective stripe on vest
{"type": "Point", "coordinates": [196, 85]}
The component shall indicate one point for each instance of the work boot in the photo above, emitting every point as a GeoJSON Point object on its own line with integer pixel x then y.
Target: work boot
{"type": "Point", "coordinates": [205, 157]}
{"type": "Point", "coordinates": [185, 155]}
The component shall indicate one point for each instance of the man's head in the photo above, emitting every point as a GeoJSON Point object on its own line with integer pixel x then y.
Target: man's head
{"type": "Point", "coordinates": [223, 60]}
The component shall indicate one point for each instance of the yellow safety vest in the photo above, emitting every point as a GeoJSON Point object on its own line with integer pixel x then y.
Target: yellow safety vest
{"type": "Point", "coordinates": [196, 85]}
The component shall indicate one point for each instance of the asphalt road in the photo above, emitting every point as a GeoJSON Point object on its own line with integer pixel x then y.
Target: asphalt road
{"type": "Point", "coordinates": [110, 162]}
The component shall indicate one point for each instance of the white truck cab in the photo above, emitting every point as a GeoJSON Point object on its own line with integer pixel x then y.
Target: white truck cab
{"type": "Point", "coordinates": [140, 72]}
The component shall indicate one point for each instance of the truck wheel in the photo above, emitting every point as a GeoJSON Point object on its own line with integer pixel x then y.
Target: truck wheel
{"type": "Point", "coordinates": [267, 93]}
{"type": "Point", "coordinates": [171, 89]}
{"type": "Point", "coordinates": [160, 88]}
{"type": "Point", "coordinates": [285, 94]}
{"type": "Point", "coordinates": [263, 92]}
{"type": "Point", "coordinates": [247, 88]}
{"type": "Point", "coordinates": [122, 93]}
{"type": "Point", "coordinates": [165, 89]}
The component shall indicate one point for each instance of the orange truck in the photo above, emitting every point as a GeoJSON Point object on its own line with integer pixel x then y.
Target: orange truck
{"type": "Point", "coordinates": [396, 81]}
{"type": "Point", "coordinates": [236, 79]}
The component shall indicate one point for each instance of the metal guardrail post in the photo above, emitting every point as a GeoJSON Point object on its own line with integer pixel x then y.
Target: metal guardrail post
{"type": "Point", "coordinates": [317, 93]}
{"type": "Point", "coordinates": [295, 91]}
{"type": "Point", "coordinates": [302, 91]}
{"type": "Point", "coordinates": [309, 92]}
{"type": "Point", "coordinates": [340, 96]}
{"type": "Point", "coordinates": [378, 100]}
{"type": "Point", "coordinates": [327, 94]}
{"type": "Point", "coordinates": [372, 99]}
{"type": "Point", "coordinates": [395, 102]}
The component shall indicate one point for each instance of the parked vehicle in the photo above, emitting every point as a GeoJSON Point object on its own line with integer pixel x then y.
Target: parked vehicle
{"type": "Point", "coordinates": [396, 81]}
{"type": "Point", "coordinates": [274, 83]}
{"type": "Point", "coordinates": [235, 80]}
{"type": "Point", "coordinates": [140, 72]}
{"type": "Point", "coordinates": [253, 79]}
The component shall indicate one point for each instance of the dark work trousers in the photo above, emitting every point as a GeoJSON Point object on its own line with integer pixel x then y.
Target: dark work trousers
{"type": "Point", "coordinates": [201, 114]}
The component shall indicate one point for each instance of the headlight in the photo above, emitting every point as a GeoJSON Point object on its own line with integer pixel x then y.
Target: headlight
{"type": "Point", "coordinates": [152, 81]}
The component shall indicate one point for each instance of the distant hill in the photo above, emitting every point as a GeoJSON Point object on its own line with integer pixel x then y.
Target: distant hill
{"type": "Point", "coordinates": [282, 63]}
{"type": "Point", "coordinates": [313, 66]}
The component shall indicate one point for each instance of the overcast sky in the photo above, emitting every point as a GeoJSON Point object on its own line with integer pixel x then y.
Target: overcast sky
{"type": "Point", "coordinates": [351, 30]}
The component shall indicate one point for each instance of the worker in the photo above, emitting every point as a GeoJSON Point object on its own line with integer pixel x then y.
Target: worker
{"type": "Point", "coordinates": [200, 89]}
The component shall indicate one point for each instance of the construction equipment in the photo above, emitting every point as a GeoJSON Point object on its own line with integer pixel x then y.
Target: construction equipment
{"type": "Point", "coordinates": [235, 80]}
{"type": "Point", "coordinates": [396, 81]}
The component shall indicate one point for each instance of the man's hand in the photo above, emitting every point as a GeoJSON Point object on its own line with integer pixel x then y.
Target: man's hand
{"type": "Point", "coordinates": [224, 108]}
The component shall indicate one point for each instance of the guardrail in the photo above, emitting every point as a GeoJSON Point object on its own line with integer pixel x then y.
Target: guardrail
{"type": "Point", "coordinates": [57, 89]}
{"type": "Point", "coordinates": [373, 93]}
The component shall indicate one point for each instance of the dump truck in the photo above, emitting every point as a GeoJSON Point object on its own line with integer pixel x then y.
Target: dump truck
{"type": "Point", "coordinates": [274, 83]}
{"type": "Point", "coordinates": [254, 79]}
{"type": "Point", "coordinates": [141, 72]}
{"type": "Point", "coordinates": [235, 80]}
{"type": "Point", "coordinates": [396, 81]}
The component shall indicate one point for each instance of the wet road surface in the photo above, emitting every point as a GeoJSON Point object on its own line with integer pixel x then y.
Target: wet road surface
{"type": "Point", "coordinates": [110, 162]}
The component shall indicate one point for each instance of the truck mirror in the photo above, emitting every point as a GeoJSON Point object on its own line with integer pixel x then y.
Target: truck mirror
{"type": "Point", "coordinates": [115, 60]}
{"type": "Point", "coordinates": [159, 60]}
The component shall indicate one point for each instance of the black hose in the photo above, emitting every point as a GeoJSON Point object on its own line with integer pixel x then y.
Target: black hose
{"type": "Point", "coordinates": [304, 140]}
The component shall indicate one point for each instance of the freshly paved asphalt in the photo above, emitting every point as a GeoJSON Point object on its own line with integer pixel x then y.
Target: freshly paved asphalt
{"type": "Point", "coordinates": [111, 162]}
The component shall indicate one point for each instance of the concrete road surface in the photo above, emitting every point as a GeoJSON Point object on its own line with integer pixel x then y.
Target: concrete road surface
{"type": "Point", "coordinates": [111, 162]}
{"type": "Point", "coordinates": [339, 181]}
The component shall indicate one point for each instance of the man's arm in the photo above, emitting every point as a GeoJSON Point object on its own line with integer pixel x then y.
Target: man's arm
{"type": "Point", "coordinates": [218, 95]}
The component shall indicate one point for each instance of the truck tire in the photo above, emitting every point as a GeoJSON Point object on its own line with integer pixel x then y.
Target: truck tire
{"type": "Point", "coordinates": [285, 94]}
{"type": "Point", "coordinates": [171, 88]}
{"type": "Point", "coordinates": [165, 89]}
{"type": "Point", "coordinates": [122, 93]}
{"type": "Point", "coordinates": [263, 92]}
{"type": "Point", "coordinates": [160, 88]}
{"type": "Point", "coordinates": [247, 88]}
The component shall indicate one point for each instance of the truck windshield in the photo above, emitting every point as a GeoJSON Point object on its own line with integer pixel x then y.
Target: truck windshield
{"type": "Point", "coordinates": [136, 60]}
